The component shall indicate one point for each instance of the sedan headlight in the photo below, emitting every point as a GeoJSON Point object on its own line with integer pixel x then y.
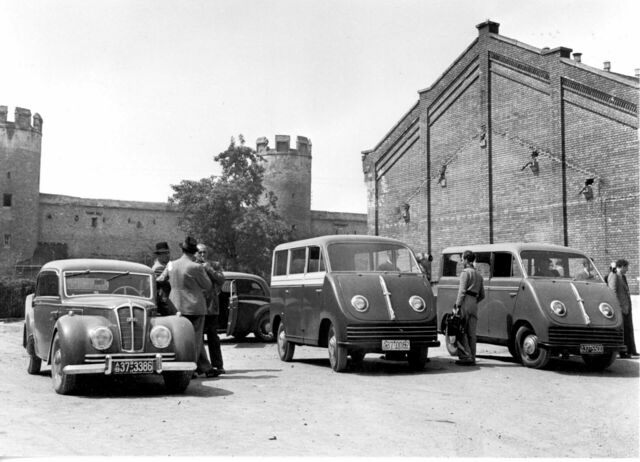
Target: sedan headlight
{"type": "Point", "coordinates": [417, 303]}
{"type": "Point", "coordinates": [606, 310]}
{"type": "Point", "coordinates": [360, 303]}
{"type": "Point", "coordinates": [160, 337]}
{"type": "Point", "coordinates": [101, 338]}
{"type": "Point", "coordinates": [558, 308]}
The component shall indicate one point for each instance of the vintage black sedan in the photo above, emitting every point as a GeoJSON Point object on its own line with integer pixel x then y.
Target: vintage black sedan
{"type": "Point", "coordinates": [244, 306]}
{"type": "Point", "coordinates": [92, 316]}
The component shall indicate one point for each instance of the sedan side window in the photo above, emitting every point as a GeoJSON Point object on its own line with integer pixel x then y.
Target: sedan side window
{"type": "Point", "coordinates": [47, 285]}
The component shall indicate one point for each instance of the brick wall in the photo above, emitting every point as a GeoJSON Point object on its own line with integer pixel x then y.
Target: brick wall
{"type": "Point", "coordinates": [500, 101]}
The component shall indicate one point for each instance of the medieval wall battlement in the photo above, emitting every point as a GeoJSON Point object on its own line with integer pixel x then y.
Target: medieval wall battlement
{"type": "Point", "coordinates": [22, 119]}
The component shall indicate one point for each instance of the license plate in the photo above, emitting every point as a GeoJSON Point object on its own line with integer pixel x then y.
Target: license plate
{"type": "Point", "coordinates": [395, 345]}
{"type": "Point", "coordinates": [132, 367]}
{"type": "Point", "coordinates": [591, 348]}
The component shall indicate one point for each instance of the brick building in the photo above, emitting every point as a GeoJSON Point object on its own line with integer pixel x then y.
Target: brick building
{"type": "Point", "coordinates": [36, 227]}
{"type": "Point", "coordinates": [513, 143]}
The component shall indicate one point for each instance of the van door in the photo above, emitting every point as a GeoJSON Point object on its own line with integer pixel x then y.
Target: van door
{"type": "Point", "coordinates": [312, 295]}
{"type": "Point", "coordinates": [483, 265]}
{"type": "Point", "coordinates": [503, 290]}
{"type": "Point", "coordinates": [294, 293]}
{"type": "Point", "coordinates": [46, 310]}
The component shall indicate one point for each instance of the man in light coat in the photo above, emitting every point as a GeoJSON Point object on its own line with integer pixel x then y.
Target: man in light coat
{"type": "Point", "coordinates": [189, 283]}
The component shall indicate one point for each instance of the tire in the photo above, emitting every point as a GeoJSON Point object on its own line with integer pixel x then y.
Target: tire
{"type": "Point", "coordinates": [417, 358]}
{"type": "Point", "coordinates": [285, 348]}
{"type": "Point", "coordinates": [337, 353]}
{"type": "Point", "coordinates": [263, 329]}
{"type": "Point", "coordinates": [357, 356]}
{"type": "Point", "coordinates": [176, 382]}
{"type": "Point", "coordinates": [599, 362]}
{"type": "Point", "coordinates": [63, 383]}
{"type": "Point", "coordinates": [35, 363]}
{"type": "Point", "coordinates": [529, 353]}
{"type": "Point", "coordinates": [452, 348]}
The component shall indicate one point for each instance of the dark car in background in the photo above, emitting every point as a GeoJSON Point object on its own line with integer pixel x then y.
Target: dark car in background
{"type": "Point", "coordinates": [244, 306]}
{"type": "Point", "coordinates": [99, 317]}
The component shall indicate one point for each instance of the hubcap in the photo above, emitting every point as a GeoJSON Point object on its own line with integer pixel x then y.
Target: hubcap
{"type": "Point", "coordinates": [332, 348]}
{"type": "Point", "coordinates": [530, 345]}
{"type": "Point", "coordinates": [56, 368]}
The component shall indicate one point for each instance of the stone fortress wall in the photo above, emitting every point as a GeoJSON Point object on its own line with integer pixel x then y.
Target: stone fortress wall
{"type": "Point", "coordinates": [37, 227]}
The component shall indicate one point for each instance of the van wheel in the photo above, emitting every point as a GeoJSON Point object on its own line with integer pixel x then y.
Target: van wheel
{"type": "Point", "coordinates": [417, 358]}
{"type": "Point", "coordinates": [451, 344]}
{"type": "Point", "coordinates": [285, 348]}
{"type": "Point", "coordinates": [337, 353]}
{"type": "Point", "coordinates": [63, 383]}
{"type": "Point", "coordinates": [529, 352]}
{"type": "Point", "coordinates": [599, 362]}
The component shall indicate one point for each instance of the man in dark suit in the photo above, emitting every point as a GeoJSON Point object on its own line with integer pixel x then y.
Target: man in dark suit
{"type": "Point", "coordinates": [618, 283]}
{"type": "Point", "coordinates": [214, 271]}
{"type": "Point", "coordinates": [189, 283]}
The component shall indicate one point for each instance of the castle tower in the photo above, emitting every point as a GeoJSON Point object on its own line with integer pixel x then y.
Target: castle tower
{"type": "Point", "coordinates": [20, 149]}
{"type": "Point", "coordinates": [288, 176]}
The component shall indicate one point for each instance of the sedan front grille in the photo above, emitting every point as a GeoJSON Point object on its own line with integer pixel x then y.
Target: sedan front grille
{"type": "Point", "coordinates": [578, 335]}
{"type": "Point", "coordinates": [131, 320]}
{"type": "Point", "coordinates": [395, 331]}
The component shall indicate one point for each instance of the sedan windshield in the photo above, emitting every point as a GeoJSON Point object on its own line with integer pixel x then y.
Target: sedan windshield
{"type": "Point", "coordinates": [89, 282]}
{"type": "Point", "coordinates": [552, 264]}
{"type": "Point", "coordinates": [371, 256]}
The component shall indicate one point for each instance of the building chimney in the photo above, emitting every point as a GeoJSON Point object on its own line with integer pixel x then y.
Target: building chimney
{"type": "Point", "coordinates": [607, 66]}
{"type": "Point", "coordinates": [577, 57]}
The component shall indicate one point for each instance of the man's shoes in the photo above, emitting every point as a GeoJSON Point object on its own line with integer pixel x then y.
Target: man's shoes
{"type": "Point", "coordinates": [220, 370]}
{"type": "Point", "coordinates": [625, 356]}
{"type": "Point", "coordinates": [212, 373]}
{"type": "Point", "coordinates": [465, 362]}
{"type": "Point", "coordinates": [194, 375]}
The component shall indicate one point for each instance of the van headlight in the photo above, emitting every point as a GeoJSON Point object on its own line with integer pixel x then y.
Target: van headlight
{"type": "Point", "coordinates": [558, 308]}
{"type": "Point", "coordinates": [101, 338]}
{"type": "Point", "coordinates": [160, 336]}
{"type": "Point", "coordinates": [360, 303]}
{"type": "Point", "coordinates": [417, 303]}
{"type": "Point", "coordinates": [606, 310]}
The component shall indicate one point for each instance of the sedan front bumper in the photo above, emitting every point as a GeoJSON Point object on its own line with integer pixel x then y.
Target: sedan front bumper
{"type": "Point", "coordinates": [155, 363]}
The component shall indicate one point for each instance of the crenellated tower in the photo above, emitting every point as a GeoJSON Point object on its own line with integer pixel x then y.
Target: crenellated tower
{"type": "Point", "coordinates": [288, 176]}
{"type": "Point", "coordinates": [20, 151]}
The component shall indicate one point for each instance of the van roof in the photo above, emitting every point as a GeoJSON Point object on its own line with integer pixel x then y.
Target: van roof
{"type": "Point", "coordinates": [333, 238]}
{"type": "Point", "coordinates": [515, 247]}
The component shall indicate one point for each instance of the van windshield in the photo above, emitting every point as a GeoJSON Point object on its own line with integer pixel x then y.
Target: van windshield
{"type": "Point", "coordinates": [371, 256]}
{"type": "Point", "coordinates": [553, 264]}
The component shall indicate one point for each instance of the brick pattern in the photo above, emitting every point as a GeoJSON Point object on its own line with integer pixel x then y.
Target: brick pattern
{"type": "Point", "coordinates": [582, 121]}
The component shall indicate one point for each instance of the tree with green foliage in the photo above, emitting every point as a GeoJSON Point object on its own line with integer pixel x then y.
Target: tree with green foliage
{"type": "Point", "coordinates": [232, 213]}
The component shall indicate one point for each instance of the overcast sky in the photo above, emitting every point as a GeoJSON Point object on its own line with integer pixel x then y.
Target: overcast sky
{"type": "Point", "coordinates": [138, 95]}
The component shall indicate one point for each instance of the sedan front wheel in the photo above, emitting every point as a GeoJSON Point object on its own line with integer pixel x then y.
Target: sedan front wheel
{"type": "Point", "coordinates": [62, 383]}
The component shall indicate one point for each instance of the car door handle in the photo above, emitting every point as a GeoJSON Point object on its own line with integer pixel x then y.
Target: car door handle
{"type": "Point", "coordinates": [286, 291]}
{"type": "Point", "coordinates": [513, 294]}
{"type": "Point", "coordinates": [318, 290]}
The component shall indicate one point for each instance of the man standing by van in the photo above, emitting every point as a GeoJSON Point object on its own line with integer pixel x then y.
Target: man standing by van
{"type": "Point", "coordinates": [470, 293]}
{"type": "Point", "coordinates": [618, 283]}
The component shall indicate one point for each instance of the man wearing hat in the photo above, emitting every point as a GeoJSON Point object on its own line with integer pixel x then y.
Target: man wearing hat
{"type": "Point", "coordinates": [163, 255]}
{"type": "Point", "coordinates": [189, 283]}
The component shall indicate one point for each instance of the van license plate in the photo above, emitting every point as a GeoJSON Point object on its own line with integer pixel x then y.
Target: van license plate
{"type": "Point", "coordinates": [396, 345]}
{"type": "Point", "coordinates": [591, 348]}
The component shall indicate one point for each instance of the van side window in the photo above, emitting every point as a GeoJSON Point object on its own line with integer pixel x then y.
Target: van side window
{"type": "Point", "coordinates": [297, 260]}
{"type": "Point", "coordinates": [280, 264]}
{"type": "Point", "coordinates": [316, 262]}
{"type": "Point", "coordinates": [47, 285]}
{"type": "Point", "coordinates": [452, 265]}
{"type": "Point", "coordinates": [483, 263]}
{"type": "Point", "coordinates": [502, 265]}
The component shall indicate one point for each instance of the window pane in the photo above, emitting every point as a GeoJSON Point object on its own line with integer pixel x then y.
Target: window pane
{"type": "Point", "coordinates": [297, 260]}
{"type": "Point", "coordinates": [280, 264]}
{"type": "Point", "coordinates": [502, 264]}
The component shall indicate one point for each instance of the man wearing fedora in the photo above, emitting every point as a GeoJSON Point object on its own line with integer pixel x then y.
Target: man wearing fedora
{"type": "Point", "coordinates": [163, 256]}
{"type": "Point", "coordinates": [189, 283]}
